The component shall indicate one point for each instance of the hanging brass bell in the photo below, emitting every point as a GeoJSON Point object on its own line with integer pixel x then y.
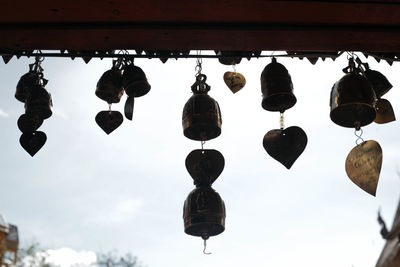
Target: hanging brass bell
{"type": "Point", "coordinates": [352, 101]}
{"type": "Point", "coordinates": [277, 88]}
{"type": "Point", "coordinates": [134, 81]}
{"type": "Point", "coordinates": [380, 84]}
{"type": "Point", "coordinates": [201, 118]}
{"type": "Point", "coordinates": [38, 102]}
{"type": "Point", "coordinates": [229, 57]}
{"type": "Point", "coordinates": [204, 213]}
{"type": "Point", "coordinates": [109, 87]}
{"type": "Point", "coordinates": [28, 80]}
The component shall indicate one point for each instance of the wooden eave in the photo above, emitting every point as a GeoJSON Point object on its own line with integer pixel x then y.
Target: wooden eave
{"type": "Point", "coordinates": [251, 25]}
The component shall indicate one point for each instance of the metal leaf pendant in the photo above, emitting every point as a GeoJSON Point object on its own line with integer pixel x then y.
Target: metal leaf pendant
{"type": "Point", "coordinates": [128, 110]}
{"type": "Point", "coordinates": [205, 165]}
{"type": "Point", "coordinates": [363, 165]}
{"type": "Point", "coordinates": [235, 81]}
{"type": "Point", "coordinates": [109, 120]}
{"type": "Point", "coordinates": [285, 145]}
{"type": "Point", "coordinates": [33, 142]}
{"type": "Point", "coordinates": [384, 111]}
{"type": "Point", "coordinates": [29, 123]}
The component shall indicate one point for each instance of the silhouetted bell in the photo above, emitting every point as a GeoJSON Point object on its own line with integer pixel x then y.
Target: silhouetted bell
{"type": "Point", "coordinates": [352, 101]}
{"type": "Point", "coordinates": [28, 80]}
{"type": "Point", "coordinates": [277, 88]}
{"type": "Point", "coordinates": [229, 57]}
{"type": "Point", "coordinates": [201, 118]}
{"type": "Point", "coordinates": [109, 87]}
{"type": "Point", "coordinates": [38, 102]}
{"type": "Point", "coordinates": [204, 213]}
{"type": "Point", "coordinates": [134, 81]}
{"type": "Point", "coordinates": [379, 82]}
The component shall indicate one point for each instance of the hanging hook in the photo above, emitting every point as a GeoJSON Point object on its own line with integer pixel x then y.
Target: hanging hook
{"type": "Point", "coordinates": [359, 138]}
{"type": "Point", "coordinates": [205, 247]}
{"type": "Point", "coordinates": [202, 146]}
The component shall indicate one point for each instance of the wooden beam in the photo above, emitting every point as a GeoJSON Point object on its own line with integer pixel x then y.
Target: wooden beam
{"type": "Point", "coordinates": [184, 25]}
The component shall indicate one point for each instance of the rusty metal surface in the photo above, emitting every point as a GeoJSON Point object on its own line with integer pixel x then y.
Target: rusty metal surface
{"type": "Point", "coordinates": [363, 165]}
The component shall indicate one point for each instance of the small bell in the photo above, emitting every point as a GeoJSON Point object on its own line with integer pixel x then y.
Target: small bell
{"type": "Point", "coordinates": [277, 88]}
{"type": "Point", "coordinates": [134, 81]}
{"type": "Point", "coordinates": [379, 82]}
{"type": "Point", "coordinates": [27, 81]}
{"type": "Point", "coordinates": [109, 87]}
{"type": "Point", "coordinates": [229, 57]}
{"type": "Point", "coordinates": [204, 210]}
{"type": "Point", "coordinates": [201, 118]}
{"type": "Point", "coordinates": [352, 100]}
{"type": "Point", "coordinates": [38, 102]}
{"type": "Point", "coordinates": [204, 213]}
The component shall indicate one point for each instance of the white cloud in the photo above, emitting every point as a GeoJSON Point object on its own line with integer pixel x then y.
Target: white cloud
{"type": "Point", "coordinates": [4, 114]}
{"type": "Point", "coordinates": [66, 257]}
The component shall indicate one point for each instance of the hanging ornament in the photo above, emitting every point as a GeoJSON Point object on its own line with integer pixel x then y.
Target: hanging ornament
{"type": "Point", "coordinates": [363, 165]}
{"type": "Point", "coordinates": [277, 88]}
{"type": "Point", "coordinates": [31, 90]}
{"type": "Point", "coordinates": [380, 85]}
{"type": "Point", "coordinates": [353, 105]}
{"type": "Point", "coordinates": [201, 118]}
{"type": "Point", "coordinates": [109, 88]}
{"type": "Point", "coordinates": [284, 145]}
{"type": "Point", "coordinates": [204, 210]}
{"type": "Point", "coordinates": [234, 80]}
{"type": "Point", "coordinates": [33, 142]}
{"type": "Point", "coordinates": [29, 123]}
{"type": "Point", "coordinates": [352, 99]}
{"type": "Point", "coordinates": [135, 84]}
{"type": "Point", "coordinates": [229, 57]}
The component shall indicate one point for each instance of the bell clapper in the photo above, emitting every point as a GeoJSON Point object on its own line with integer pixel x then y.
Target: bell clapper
{"type": "Point", "coordinates": [205, 237]}
{"type": "Point", "coordinates": [282, 121]}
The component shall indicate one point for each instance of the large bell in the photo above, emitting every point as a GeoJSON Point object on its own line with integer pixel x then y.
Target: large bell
{"type": "Point", "coordinates": [277, 88]}
{"type": "Point", "coordinates": [204, 213]}
{"type": "Point", "coordinates": [201, 118]}
{"type": "Point", "coordinates": [27, 81]}
{"type": "Point", "coordinates": [109, 87]}
{"type": "Point", "coordinates": [38, 102]}
{"type": "Point", "coordinates": [134, 81]}
{"type": "Point", "coordinates": [352, 101]}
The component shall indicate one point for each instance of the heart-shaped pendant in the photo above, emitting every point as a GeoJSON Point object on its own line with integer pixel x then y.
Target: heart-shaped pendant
{"type": "Point", "coordinates": [29, 123]}
{"type": "Point", "coordinates": [128, 110]}
{"type": "Point", "coordinates": [384, 111]}
{"type": "Point", "coordinates": [109, 120]}
{"type": "Point", "coordinates": [285, 145]}
{"type": "Point", "coordinates": [33, 142]}
{"type": "Point", "coordinates": [363, 165]}
{"type": "Point", "coordinates": [205, 165]}
{"type": "Point", "coordinates": [234, 80]}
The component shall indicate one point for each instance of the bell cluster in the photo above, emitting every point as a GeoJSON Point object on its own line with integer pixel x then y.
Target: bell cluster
{"type": "Point", "coordinates": [31, 91]}
{"type": "Point", "coordinates": [126, 77]}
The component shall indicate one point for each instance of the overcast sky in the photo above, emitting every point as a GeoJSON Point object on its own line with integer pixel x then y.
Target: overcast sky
{"type": "Point", "coordinates": [89, 191]}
